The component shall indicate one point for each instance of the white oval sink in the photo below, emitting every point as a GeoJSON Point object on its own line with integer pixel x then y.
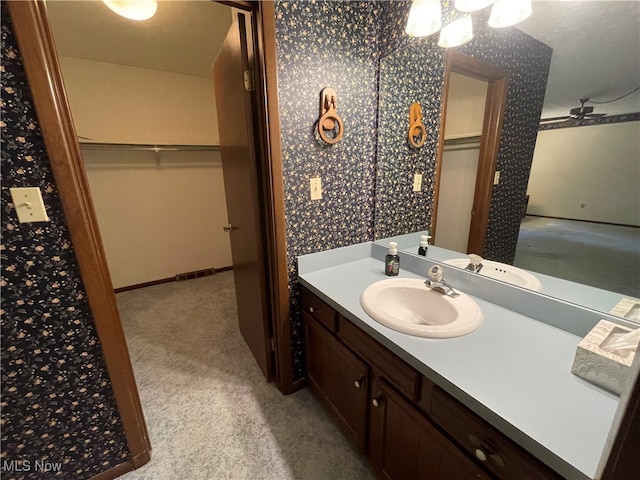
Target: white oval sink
{"type": "Point", "coordinates": [502, 271]}
{"type": "Point", "coordinates": [409, 306]}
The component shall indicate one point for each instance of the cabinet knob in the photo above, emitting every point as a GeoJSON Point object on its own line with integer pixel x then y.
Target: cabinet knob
{"type": "Point", "coordinates": [359, 382]}
{"type": "Point", "coordinates": [377, 400]}
{"type": "Point", "coordinates": [311, 309]}
{"type": "Point", "coordinates": [497, 459]}
{"type": "Point", "coordinates": [480, 455]}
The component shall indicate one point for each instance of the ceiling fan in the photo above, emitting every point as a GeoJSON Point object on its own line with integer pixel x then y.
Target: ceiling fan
{"type": "Point", "coordinates": [575, 115]}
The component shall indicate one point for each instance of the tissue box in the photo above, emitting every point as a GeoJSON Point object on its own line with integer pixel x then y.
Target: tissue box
{"type": "Point", "coordinates": [599, 366]}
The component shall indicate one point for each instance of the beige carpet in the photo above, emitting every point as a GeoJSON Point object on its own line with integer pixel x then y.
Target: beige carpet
{"type": "Point", "coordinates": [209, 411]}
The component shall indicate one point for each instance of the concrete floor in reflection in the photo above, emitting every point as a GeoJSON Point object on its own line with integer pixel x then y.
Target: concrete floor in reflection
{"type": "Point", "coordinates": [601, 255]}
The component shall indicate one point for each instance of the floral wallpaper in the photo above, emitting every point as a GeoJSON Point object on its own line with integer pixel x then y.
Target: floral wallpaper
{"type": "Point", "coordinates": [326, 44]}
{"type": "Point", "coordinates": [411, 74]}
{"type": "Point", "coordinates": [58, 409]}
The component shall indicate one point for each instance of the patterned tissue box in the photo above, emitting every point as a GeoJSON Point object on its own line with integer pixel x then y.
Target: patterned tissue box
{"type": "Point", "coordinates": [599, 366]}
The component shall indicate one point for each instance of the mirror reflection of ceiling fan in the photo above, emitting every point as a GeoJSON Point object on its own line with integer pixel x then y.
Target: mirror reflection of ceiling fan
{"type": "Point", "coordinates": [575, 115]}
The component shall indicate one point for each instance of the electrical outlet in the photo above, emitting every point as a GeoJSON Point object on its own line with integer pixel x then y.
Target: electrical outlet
{"type": "Point", "coordinates": [316, 188]}
{"type": "Point", "coordinates": [417, 182]}
{"type": "Point", "coordinates": [496, 178]}
{"type": "Point", "coordinates": [29, 205]}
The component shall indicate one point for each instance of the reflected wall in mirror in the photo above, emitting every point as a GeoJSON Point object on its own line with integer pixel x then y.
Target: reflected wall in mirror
{"type": "Point", "coordinates": [527, 61]}
{"type": "Point", "coordinates": [526, 58]}
{"type": "Point", "coordinates": [411, 74]}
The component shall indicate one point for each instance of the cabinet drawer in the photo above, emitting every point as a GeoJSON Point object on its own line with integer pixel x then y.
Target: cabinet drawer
{"type": "Point", "coordinates": [319, 310]}
{"type": "Point", "coordinates": [394, 370]}
{"type": "Point", "coordinates": [499, 454]}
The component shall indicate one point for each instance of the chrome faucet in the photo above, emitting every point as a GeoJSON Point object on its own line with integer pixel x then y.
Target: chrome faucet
{"type": "Point", "coordinates": [475, 263]}
{"type": "Point", "coordinates": [437, 282]}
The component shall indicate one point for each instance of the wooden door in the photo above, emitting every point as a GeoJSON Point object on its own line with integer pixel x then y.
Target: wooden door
{"type": "Point", "coordinates": [235, 106]}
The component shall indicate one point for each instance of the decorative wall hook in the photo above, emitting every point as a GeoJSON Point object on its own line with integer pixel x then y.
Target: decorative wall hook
{"type": "Point", "coordinates": [329, 118]}
{"type": "Point", "coordinates": [417, 131]}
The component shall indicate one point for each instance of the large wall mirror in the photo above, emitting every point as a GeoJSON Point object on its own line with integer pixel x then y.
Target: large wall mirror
{"type": "Point", "coordinates": [565, 203]}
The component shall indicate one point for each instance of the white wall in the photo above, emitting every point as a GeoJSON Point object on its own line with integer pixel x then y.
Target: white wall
{"type": "Point", "coordinates": [598, 166]}
{"type": "Point", "coordinates": [120, 104]}
{"type": "Point", "coordinates": [155, 222]}
{"type": "Point", "coordinates": [465, 106]}
{"type": "Point", "coordinates": [457, 189]}
{"type": "Point", "coordinates": [465, 116]}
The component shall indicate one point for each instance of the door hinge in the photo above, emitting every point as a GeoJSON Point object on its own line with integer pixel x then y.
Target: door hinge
{"type": "Point", "coordinates": [248, 81]}
{"type": "Point", "coordinates": [273, 345]}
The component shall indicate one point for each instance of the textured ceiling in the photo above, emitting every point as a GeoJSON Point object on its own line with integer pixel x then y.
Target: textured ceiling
{"type": "Point", "coordinates": [596, 44]}
{"type": "Point", "coordinates": [596, 52]}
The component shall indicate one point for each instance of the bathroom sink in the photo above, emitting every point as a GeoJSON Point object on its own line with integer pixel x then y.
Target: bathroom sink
{"type": "Point", "coordinates": [409, 306]}
{"type": "Point", "coordinates": [502, 271]}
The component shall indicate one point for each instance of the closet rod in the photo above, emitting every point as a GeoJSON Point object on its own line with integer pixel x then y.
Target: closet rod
{"type": "Point", "coordinates": [462, 143]}
{"type": "Point", "coordinates": [462, 140]}
{"type": "Point", "coordinates": [149, 147]}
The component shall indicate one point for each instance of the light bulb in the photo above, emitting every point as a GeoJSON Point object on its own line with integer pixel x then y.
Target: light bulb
{"type": "Point", "coordinates": [425, 18]}
{"type": "Point", "coordinates": [456, 33]}
{"type": "Point", "coordinates": [133, 9]}
{"type": "Point", "coordinates": [505, 13]}
{"type": "Point", "coordinates": [472, 5]}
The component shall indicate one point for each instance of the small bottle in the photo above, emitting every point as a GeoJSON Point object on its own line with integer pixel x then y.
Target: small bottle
{"type": "Point", "coordinates": [392, 260]}
{"type": "Point", "coordinates": [424, 244]}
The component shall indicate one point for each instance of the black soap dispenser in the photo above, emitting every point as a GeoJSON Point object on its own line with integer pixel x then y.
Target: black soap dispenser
{"type": "Point", "coordinates": [392, 260]}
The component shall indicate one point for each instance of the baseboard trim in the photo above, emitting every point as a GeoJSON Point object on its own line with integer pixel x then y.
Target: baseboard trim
{"type": "Point", "coordinates": [122, 468]}
{"type": "Point", "coordinates": [585, 221]}
{"type": "Point", "coordinates": [177, 278]}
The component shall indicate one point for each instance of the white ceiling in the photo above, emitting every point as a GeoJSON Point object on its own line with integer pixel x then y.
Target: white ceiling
{"type": "Point", "coordinates": [182, 37]}
{"type": "Point", "coordinates": [596, 43]}
{"type": "Point", "coordinates": [596, 52]}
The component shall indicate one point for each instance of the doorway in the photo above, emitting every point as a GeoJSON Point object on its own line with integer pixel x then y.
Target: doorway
{"type": "Point", "coordinates": [497, 80]}
{"type": "Point", "coordinates": [168, 218]}
{"type": "Point", "coordinates": [463, 129]}
{"type": "Point", "coordinates": [34, 35]}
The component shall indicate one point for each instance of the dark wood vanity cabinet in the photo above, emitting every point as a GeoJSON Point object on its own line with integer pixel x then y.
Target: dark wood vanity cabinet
{"type": "Point", "coordinates": [409, 428]}
{"type": "Point", "coordinates": [403, 444]}
{"type": "Point", "coordinates": [340, 377]}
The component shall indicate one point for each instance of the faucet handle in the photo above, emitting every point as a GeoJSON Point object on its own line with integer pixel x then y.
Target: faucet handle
{"type": "Point", "coordinates": [475, 259]}
{"type": "Point", "coordinates": [435, 273]}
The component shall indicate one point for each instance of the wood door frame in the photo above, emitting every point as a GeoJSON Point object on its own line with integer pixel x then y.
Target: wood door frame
{"type": "Point", "coordinates": [42, 68]}
{"type": "Point", "coordinates": [495, 104]}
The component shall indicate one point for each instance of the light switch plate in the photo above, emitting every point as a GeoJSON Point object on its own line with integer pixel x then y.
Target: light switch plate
{"type": "Point", "coordinates": [417, 182]}
{"type": "Point", "coordinates": [28, 204]}
{"type": "Point", "coordinates": [496, 178]}
{"type": "Point", "coordinates": [316, 188]}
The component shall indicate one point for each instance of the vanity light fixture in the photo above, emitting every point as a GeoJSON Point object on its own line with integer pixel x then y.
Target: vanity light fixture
{"type": "Point", "coordinates": [133, 9]}
{"type": "Point", "coordinates": [472, 5]}
{"type": "Point", "coordinates": [425, 18]}
{"type": "Point", "coordinates": [505, 13]}
{"type": "Point", "coordinates": [456, 33]}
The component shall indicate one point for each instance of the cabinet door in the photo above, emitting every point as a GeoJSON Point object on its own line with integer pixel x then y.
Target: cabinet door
{"type": "Point", "coordinates": [404, 445]}
{"type": "Point", "coordinates": [340, 377]}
